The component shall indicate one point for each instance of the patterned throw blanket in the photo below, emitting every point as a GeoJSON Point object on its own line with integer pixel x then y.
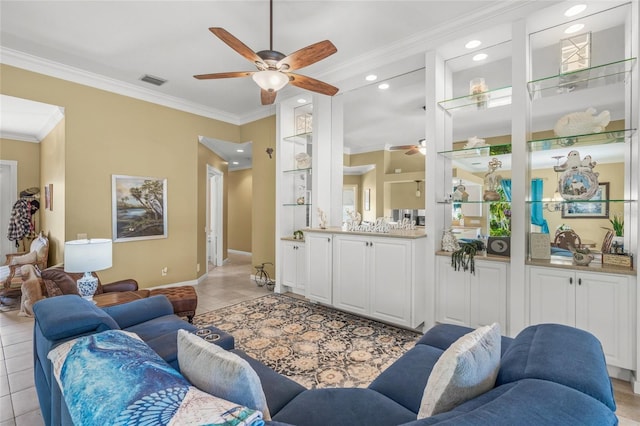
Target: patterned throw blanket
{"type": "Point", "coordinates": [114, 378]}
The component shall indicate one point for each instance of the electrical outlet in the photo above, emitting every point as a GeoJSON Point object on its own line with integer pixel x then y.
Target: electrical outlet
{"type": "Point", "coordinates": [198, 267]}
{"type": "Point", "coordinates": [165, 271]}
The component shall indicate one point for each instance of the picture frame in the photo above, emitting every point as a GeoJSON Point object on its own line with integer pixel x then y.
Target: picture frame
{"type": "Point", "coordinates": [596, 208]}
{"type": "Point", "coordinates": [139, 208]}
{"type": "Point", "coordinates": [367, 199]}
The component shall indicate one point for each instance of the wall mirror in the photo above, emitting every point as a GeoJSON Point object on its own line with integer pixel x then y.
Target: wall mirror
{"type": "Point", "coordinates": [384, 145]}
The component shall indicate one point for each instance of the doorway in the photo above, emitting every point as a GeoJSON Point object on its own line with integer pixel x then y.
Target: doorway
{"type": "Point", "coordinates": [8, 197]}
{"type": "Point", "coordinates": [215, 207]}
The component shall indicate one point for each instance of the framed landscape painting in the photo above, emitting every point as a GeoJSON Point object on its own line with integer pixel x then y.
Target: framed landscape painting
{"type": "Point", "coordinates": [596, 207]}
{"type": "Point", "coordinates": [139, 208]}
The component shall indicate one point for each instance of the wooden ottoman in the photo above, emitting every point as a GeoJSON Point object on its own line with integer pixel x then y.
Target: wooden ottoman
{"type": "Point", "coordinates": [184, 300]}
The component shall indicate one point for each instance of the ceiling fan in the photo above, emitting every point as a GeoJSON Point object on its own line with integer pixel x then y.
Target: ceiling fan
{"type": "Point", "coordinates": [411, 149]}
{"type": "Point", "coordinates": [274, 67]}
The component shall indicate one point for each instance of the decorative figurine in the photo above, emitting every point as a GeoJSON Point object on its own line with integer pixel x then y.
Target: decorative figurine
{"type": "Point", "coordinates": [461, 194]}
{"type": "Point", "coordinates": [303, 160]}
{"type": "Point", "coordinates": [449, 241]}
{"type": "Point", "coordinates": [581, 123]}
{"type": "Point", "coordinates": [578, 180]}
{"type": "Point", "coordinates": [322, 219]}
{"type": "Point", "coordinates": [475, 142]}
{"type": "Point", "coordinates": [492, 181]}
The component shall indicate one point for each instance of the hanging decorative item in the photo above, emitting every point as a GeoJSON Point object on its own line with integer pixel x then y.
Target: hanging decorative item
{"type": "Point", "coordinates": [582, 123]}
{"type": "Point", "coordinates": [492, 180]}
{"type": "Point", "coordinates": [578, 180]}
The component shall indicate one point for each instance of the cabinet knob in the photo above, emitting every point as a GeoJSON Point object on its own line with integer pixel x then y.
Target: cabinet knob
{"type": "Point", "coordinates": [366, 243]}
{"type": "Point", "coordinates": [579, 281]}
{"type": "Point", "coordinates": [570, 280]}
{"type": "Point", "coordinates": [329, 240]}
{"type": "Point", "coordinates": [371, 244]}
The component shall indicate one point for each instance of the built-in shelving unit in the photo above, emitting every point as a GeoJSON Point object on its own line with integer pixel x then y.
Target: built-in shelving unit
{"type": "Point", "coordinates": [483, 100]}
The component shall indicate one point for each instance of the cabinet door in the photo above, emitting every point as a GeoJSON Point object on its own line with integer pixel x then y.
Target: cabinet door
{"type": "Point", "coordinates": [603, 308]}
{"type": "Point", "coordinates": [552, 296]}
{"type": "Point", "coordinates": [452, 293]}
{"type": "Point", "coordinates": [301, 268]}
{"type": "Point", "coordinates": [319, 267]}
{"type": "Point", "coordinates": [351, 273]}
{"type": "Point", "coordinates": [390, 282]}
{"type": "Point", "coordinates": [289, 260]}
{"type": "Point", "coordinates": [488, 295]}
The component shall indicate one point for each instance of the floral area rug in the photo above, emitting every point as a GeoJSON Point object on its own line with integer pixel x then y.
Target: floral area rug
{"type": "Point", "coordinates": [314, 345]}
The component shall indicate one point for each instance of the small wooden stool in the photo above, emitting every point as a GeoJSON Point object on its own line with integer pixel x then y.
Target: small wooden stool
{"type": "Point", "coordinates": [184, 300]}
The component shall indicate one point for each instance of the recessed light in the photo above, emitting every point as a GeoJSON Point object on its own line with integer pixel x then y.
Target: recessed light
{"type": "Point", "coordinates": [574, 28]}
{"type": "Point", "coordinates": [574, 10]}
{"type": "Point", "coordinates": [371, 77]}
{"type": "Point", "coordinates": [473, 44]}
{"type": "Point", "coordinates": [480, 57]}
{"type": "Point", "coordinates": [235, 163]}
{"type": "Point", "coordinates": [302, 101]}
{"type": "Point", "coordinates": [383, 86]}
{"type": "Point", "coordinates": [239, 150]}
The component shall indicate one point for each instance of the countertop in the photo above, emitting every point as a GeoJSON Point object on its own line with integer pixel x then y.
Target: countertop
{"type": "Point", "coordinates": [394, 233]}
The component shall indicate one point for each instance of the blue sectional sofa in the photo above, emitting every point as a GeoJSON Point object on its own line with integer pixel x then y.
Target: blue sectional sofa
{"type": "Point", "coordinates": [549, 374]}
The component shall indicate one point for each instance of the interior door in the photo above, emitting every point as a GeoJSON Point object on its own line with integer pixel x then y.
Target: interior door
{"type": "Point", "coordinates": [8, 197]}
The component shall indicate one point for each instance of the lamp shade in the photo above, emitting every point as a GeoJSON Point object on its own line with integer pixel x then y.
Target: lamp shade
{"type": "Point", "coordinates": [271, 81]}
{"type": "Point", "coordinates": [87, 255]}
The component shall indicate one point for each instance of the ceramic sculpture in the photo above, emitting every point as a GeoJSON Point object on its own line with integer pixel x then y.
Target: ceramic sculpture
{"type": "Point", "coordinates": [449, 241]}
{"type": "Point", "coordinates": [322, 219]}
{"type": "Point", "coordinates": [581, 123]}
{"type": "Point", "coordinates": [492, 180]}
{"type": "Point", "coordinates": [303, 160]}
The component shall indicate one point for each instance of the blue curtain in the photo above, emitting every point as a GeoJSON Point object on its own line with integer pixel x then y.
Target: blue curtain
{"type": "Point", "coordinates": [506, 187]}
{"type": "Point", "coordinates": [537, 218]}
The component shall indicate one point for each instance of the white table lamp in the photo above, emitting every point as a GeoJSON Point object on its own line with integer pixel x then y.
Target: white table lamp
{"type": "Point", "coordinates": [87, 256]}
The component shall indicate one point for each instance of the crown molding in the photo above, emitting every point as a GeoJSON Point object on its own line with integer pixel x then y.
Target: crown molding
{"type": "Point", "coordinates": [19, 137]}
{"type": "Point", "coordinates": [55, 69]}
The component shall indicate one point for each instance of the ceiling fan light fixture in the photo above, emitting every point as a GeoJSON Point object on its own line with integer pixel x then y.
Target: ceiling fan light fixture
{"type": "Point", "coordinates": [271, 81]}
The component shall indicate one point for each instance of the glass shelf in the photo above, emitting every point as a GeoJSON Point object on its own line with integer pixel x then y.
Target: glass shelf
{"type": "Point", "coordinates": [307, 170]}
{"type": "Point", "coordinates": [482, 151]}
{"type": "Point", "coordinates": [489, 99]}
{"type": "Point", "coordinates": [296, 204]}
{"type": "Point", "coordinates": [615, 136]}
{"type": "Point", "coordinates": [600, 75]}
{"type": "Point", "coordinates": [300, 138]}
{"type": "Point", "coordinates": [471, 202]}
{"type": "Point", "coordinates": [580, 201]}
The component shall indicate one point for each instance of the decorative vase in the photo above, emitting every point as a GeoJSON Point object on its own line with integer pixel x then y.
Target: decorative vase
{"type": "Point", "coordinates": [87, 286]}
{"type": "Point", "coordinates": [617, 245]}
{"type": "Point", "coordinates": [582, 259]}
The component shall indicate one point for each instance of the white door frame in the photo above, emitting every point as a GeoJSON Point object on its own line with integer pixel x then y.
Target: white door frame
{"type": "Point", "coordinates": [215, 189]}
{"type": "Point", "coordinates": [8, 195]}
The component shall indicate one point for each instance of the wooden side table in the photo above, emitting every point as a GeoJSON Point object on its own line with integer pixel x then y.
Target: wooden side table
{"type": "Point", "coordinates": [115, 298]}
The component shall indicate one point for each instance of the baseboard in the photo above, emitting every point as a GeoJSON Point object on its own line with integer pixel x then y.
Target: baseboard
{"type": "Point", "coordinates": [248, 253]}
{"type": "Point", "coordinates": [180, 284]}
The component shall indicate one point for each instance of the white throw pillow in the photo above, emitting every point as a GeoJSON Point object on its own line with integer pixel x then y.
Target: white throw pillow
{"type": "Point", "coordinates": [468, 368]}
{"type": "Point", "coordinates": [220, 373]}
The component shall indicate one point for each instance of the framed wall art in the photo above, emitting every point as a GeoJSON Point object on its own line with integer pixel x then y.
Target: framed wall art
{"type": "Point", "coordinates": [139, 208]}
{"type": "Point", "coordinates": [596, 207]}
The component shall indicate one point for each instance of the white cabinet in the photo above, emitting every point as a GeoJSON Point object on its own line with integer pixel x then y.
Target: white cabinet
{"type": "Point", "coordinates": [470, 299]}
{"type": "Point", "coordinates": [319, 267]}
{"type": "Point", "coordinates": [381, 277]}
{"type": "Point", "coordinates": [373, 276]}
{"type": "Point", "coordinates": [602, 304]}
{"type": "Point", "coordinates": [294, 269]}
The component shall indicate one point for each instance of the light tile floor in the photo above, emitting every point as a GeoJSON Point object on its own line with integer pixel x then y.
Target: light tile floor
{"type": "Point", "coordinates": [224, 286]}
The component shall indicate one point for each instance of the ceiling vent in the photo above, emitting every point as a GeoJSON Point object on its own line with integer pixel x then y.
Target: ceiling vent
{"type": "Point", "coordinates": [157, 81]}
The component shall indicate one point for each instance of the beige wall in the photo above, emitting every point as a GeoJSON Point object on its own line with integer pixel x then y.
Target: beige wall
{"type": "Point", "coordinates": [108, 134]}
{"type": "Point", "coordinates": [26, 154]}
{"type": "Point", "coordinates": [52, 166]}
{"type": "Point", "coordinates": [239, 207]}
{"type": "Point", "coordinates": [262, 134]}
{"type": "Point", "coordinates": [403, 196]}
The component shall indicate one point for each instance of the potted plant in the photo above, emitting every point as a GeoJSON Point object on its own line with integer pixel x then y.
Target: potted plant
{"type": "Point", "coordinates": [618, 229]}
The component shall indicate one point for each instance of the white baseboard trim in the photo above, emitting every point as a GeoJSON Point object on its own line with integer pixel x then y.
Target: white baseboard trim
{"type": "Point", "coordinates": [180, 284]}
{"type": "Point", "coordinates": [239, 252]}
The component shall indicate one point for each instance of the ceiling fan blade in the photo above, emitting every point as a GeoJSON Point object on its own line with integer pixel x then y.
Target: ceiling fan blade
{"type": "Point", "coordinates": [307, 56]}
{"type": "Point", "coordinates": [312, 84]}
{"type": "Point", "coordinates": [267, 98]}
{"type": "Point", "coordinates": [402, 147]}
{"type": "Point", "coordinates": [236, 44]}
{"type": "Point", "coordinates": [412, 151]}
{"type": "Point", "coordinates": [224, 75]}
